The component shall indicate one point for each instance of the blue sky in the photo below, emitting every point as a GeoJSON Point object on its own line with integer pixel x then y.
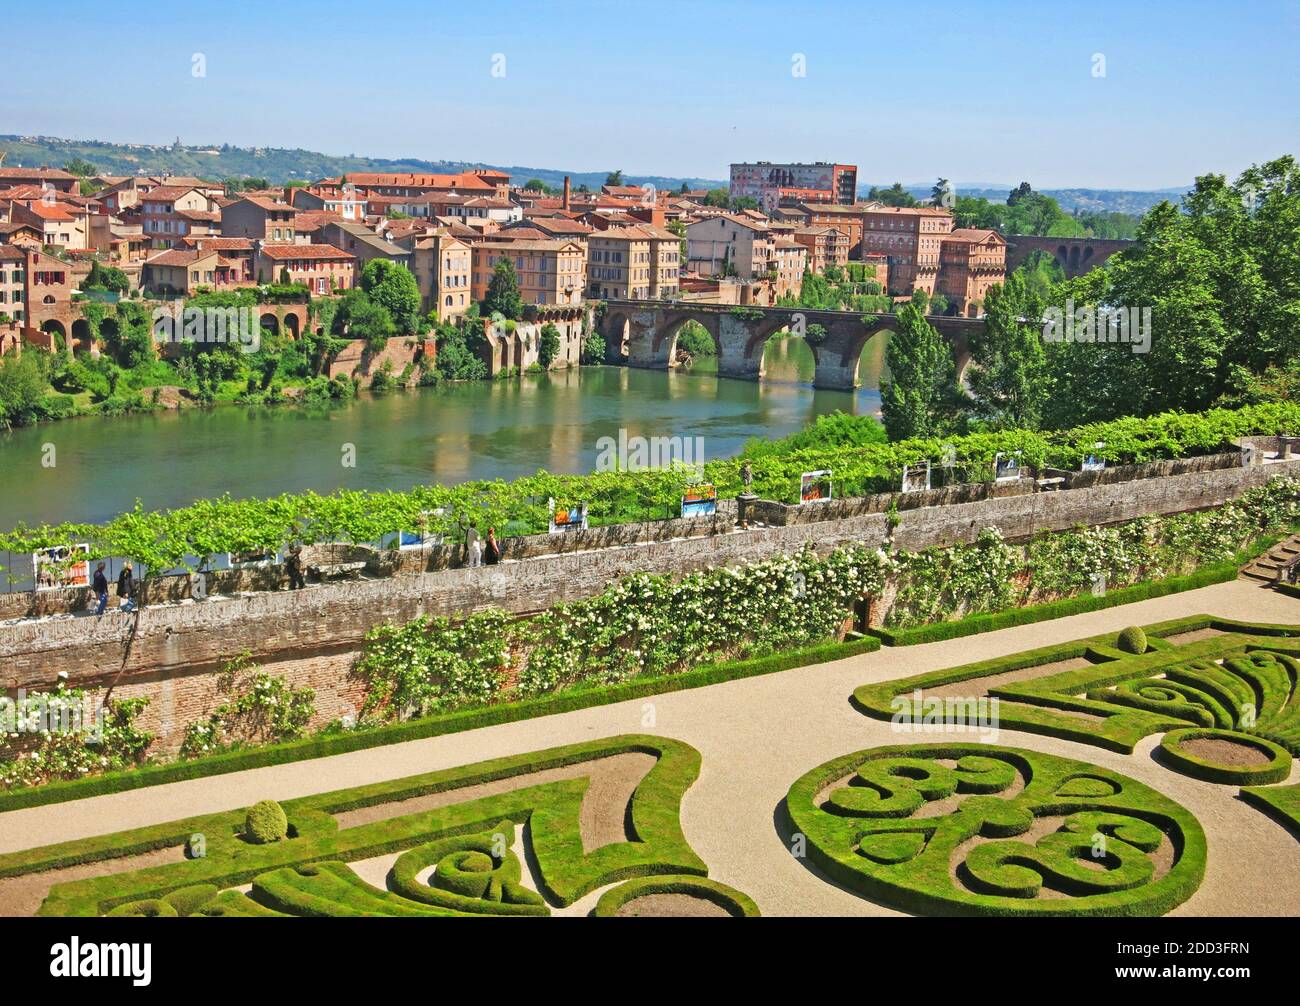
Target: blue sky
{"type": "Point", "coordinates": [993, 91]}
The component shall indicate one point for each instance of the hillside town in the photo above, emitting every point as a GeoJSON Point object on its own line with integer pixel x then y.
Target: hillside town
{"type": "Point", "coordinates": [175, 237]}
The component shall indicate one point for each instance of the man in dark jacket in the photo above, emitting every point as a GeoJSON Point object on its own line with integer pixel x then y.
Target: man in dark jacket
{"type": "Point", "coordinates": [100, 586]}
{"type": "Point", "coordinates": [293, 564]}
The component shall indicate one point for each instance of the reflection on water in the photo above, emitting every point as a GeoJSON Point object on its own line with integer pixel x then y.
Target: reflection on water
{"type": "Point", "coordinates": [497, 429]}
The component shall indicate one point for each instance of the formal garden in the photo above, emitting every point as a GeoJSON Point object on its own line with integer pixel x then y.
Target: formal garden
{"type": "Point", "coordinates": [517, 836]}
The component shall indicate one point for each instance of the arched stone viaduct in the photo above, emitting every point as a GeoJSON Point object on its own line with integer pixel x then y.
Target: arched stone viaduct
{"type": "Point", "coordinates": [740, 333]}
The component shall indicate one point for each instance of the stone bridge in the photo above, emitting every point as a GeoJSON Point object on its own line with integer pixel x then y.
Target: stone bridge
{"type": "Point", "coordinates": [1075, 256]}
{"type": "Point", "coordinates": [649, 330]}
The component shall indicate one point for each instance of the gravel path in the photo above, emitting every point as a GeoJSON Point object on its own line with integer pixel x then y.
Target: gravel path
{"type": "Point", "coordinates": [756, 737]}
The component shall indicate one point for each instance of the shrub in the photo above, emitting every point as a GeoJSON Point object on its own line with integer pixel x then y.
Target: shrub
{"type": "Point", "coordinates": [266, 822]}
{"type": "Point", "coordinates": [1133, 640]}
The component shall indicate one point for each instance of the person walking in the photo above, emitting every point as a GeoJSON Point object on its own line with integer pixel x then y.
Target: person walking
{"type": "Point", "coordinates": [126, 587]}
{"type": "Point", "coordinates": [473, 547]}
{"type": "Point", "coordinates": [100, 587]}
{"type": "Point", "coordinates": [492, 551]}
{"type": "Point", "coordinates": [293, 563]}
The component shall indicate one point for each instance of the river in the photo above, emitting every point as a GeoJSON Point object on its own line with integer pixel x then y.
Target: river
{"type": "Point", "coordinates": [487, 429]}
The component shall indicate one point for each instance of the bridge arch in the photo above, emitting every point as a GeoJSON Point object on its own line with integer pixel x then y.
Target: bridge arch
{"type": "Point", "coordinates": [664, 345]}
{"type": "Point", "coordinates": [57, 333]}
{"type": "Point", "coordinates": [82, 339]}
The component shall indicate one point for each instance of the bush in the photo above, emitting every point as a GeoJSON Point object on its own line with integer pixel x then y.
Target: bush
{"type": "Point", "coordinates": [266, 822]}
{"type": "Point", "coordinates": [1133, 640]}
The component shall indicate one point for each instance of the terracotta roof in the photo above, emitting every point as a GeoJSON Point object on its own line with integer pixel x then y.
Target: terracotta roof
{"type": "Point", "coordinates": [976, 235]}
{"type": "Point", "coordinates": [53, 174]}
{"type": "Point", "coordinates": [179, 257]}
{"type": "Point", "coordinates": [166, 193]}
{"type": "Point", "coordinates": [55, 212]}
{"type": "Point", "coordinates": [222, 244]}
{"type": "Point", "coordinates": [553, 244]}
{"type": "Point", "coordinates": [12, 253]}
{"type": "Point", "coordinates": [919, 211]}
{"type": "Point", "coordinates": [268, 204]}
{"type": "Point", "coordinates": [464, 180]}
{"type": "Point", "coordinates": [285, 252]}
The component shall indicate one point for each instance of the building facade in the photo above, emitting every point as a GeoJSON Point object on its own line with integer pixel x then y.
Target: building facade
{"type": "Point", "coordinates": [770, 183]}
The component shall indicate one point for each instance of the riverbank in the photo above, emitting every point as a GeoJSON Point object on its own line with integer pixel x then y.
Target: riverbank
{"type": "Point", "coordinates": [453, 433]}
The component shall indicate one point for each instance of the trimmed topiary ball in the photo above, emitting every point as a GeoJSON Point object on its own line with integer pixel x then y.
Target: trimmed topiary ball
{"type": "Point", "coordinates": [1133, 640]}
{"type": "Point", "coordinates": [265, 823]}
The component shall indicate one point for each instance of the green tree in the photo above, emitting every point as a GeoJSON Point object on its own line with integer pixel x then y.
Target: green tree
{"type": "Point", "coordinates": [1008, 374]}
{"type": "Point", "coordinates": [105, 277]}
{"type": "Point", "coordinates": [916, 396]}
{"type": "Point", "coordinates": [614, 177]}
{"type": "Point", "coordinates": [503, 292]}
{"type": "Point", "coordinates": [362, 318]}
{"type": "Point", "coordinates": [536, 185]}
{"type": "Point", "coordinates": [393, 287]}
{"type": "Point", "coordinates": [548, 345]}
{"type": "Point", "coordinates": [895, 195]}
{"type": "Point", "coordinates": [23, 385]}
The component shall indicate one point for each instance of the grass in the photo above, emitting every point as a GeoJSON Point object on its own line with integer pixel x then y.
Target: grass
{"type": "Point", "coordinates": [866, 837]}
{"type": "Point", "coordinates": [1175, 756]}
{"type": "Point", "coordinates": [1120, 697]}
{"type": "Point", "coordinates": [727, 898]}
{"type": "Point", "coordinates": [305, 873]}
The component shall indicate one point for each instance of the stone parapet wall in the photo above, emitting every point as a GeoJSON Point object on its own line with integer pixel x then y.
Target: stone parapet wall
{"type": "Point", "coordinates": [198, 637]}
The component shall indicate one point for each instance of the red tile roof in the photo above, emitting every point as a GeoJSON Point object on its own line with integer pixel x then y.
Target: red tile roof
{"type": "Point", "coordinates": [282, 253]}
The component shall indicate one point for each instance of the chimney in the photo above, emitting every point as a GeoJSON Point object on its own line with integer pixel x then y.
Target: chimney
{"type": "Point", "coordinates": [566, 193]}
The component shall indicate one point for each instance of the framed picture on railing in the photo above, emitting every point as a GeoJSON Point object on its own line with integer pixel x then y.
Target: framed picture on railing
{"type": "Point", "coordinates": [1006, 466]}
{"type": "Point", "coordinates": [568, 517]}
{"type": "Point", "coordinates": [916, 478]}
{"type": "Point", "coordinates": [257, 558]}
{"type": "Point", "coordinates": [815, 487]}
{"type": "Point", "coordinates": [700, 501]}
{"type": "Point", "coordinates": [61, 566]}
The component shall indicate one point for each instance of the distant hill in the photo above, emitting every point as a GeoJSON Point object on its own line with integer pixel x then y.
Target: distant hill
{"type": "Point", "coordinates": [278, 166]}
{"type": "Point", "coordinates": [1092, 200]}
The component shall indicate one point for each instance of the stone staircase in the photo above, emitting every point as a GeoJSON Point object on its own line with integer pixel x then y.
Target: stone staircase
{"type": "Point", "coordinates": [1271, 567]}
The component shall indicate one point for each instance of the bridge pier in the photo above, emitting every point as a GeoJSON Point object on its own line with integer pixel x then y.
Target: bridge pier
{"type": "Point", "coordinates": [736, 357]}
{"type": "Point", "coordinates": [644, 350]}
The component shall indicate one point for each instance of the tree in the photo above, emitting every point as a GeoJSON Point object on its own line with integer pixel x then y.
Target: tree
{"type": "Point", "coordinates": [536, 185]}
{"type": "Point", "coordinates": [895, 195]}
{"type": "Point", "coordinates": [915, 397]}
{"type": "Point", "coordinates": [503, 292]}
{"type": "Point", "coordinates": [939, 190]}
{"type": "Point", "coordinates": [105, 277]}
{"type": "Point", "coordinates": [548, 345]}
{"type": "Point", "coordinates": [393, 287]}
{"type": "Point", "coordinates": [1008, 375]}
{"type": "Point", "coordinates": [1019, 193]}
{"type": "Point", "coordinates": [22, 389]}
{"type": "Point", "coordinates": [362, 318]}
{"type": "Point", "coordinates": [718, 197]}
{"type": "Point", "coordinates": [79, 167]}
{"type": "Point", "coordinates": [614, 177]}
